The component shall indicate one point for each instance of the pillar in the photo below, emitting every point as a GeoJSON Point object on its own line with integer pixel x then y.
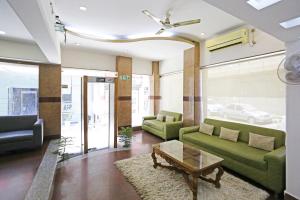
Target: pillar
{"type": "Point", "coordinates": [155, 88]}
{"type": "Point", "coordinates": [50, 99]}
{"type": "Point", "coordinates": [191, 86]}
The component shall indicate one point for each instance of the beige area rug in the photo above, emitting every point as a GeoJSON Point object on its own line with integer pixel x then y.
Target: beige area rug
{"type": "Point", "coordinates": [164, 184]}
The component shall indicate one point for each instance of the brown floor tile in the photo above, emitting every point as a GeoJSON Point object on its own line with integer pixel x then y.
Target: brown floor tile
{"type": "Point", "coordinates": [17, 170]}
{"type": "Point", "coordinates": [95, 177]}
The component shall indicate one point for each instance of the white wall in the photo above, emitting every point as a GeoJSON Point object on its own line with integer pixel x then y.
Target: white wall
{"type": "Point", "coordinates": [21, 50]}
{"type": "Point", "coordinates": [87, 59]}
{"type": "Point", "coordinates": [293, 133]}
{"type": "Point", "coordinates": [92, 59]}
{"type": "Point", "coordinates": [171, 84]}
{"type": "Point", "coordinates": [265, 43]}
{"type": "Point", "coordinates": [141, 66]}
{"type": "Point", "coordinates": [171, 88]}
{"type": "Point", "coordinates": [171, 65]}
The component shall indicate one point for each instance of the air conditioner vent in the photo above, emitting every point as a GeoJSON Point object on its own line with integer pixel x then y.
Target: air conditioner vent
{"type": "Point", "coordinates": [240, 36]}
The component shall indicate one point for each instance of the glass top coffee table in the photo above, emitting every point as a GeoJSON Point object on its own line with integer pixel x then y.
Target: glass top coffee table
{"type": "Point", "coordinates": [189, 161]}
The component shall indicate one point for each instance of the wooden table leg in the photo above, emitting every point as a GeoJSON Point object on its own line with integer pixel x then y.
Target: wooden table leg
{"type": "Point", "coordinates": [218, 177]}
{"type": "Point", "coordinates": [192, 183]}
{"type": "Point", "coordinates": [154, 159]}
{"type": "Point", "coordinates": [194, 187]}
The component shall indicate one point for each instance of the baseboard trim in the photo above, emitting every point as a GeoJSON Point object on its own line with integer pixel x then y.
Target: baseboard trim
{"type": "Point", "coordinates": [288, 196]}
{"type": "Point", "coordinates": [137, 128]}
{"type": "Point", "coordinates": [51, 137]}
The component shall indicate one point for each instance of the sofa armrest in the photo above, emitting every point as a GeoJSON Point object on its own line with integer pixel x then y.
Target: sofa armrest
{"type": "Point", "coordinates": [186, 130]}
{"type": "Point", "coordinates": [149, 118]}
{"type": "Point", "coordinates": [38, 132]}
{"type": "Point", "coordinates": [172, 129]}
{"type": "Point", "coordinates": [276, 168]}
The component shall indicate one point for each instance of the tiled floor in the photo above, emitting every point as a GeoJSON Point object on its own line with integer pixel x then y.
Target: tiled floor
{"type": "Point", "coordinates": [95, 176]}
{"type": "Point", "coordinates": [89, 177]}
{"type": "Point", "coordinates": [17, 171]}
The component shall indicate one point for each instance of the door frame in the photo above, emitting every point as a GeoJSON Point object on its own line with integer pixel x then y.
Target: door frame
{"type": "Point", "coordinates": [90, 79]}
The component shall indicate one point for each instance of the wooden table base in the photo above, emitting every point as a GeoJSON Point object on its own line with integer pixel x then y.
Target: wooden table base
{"type": "Point", "coordinates": [190, 178]}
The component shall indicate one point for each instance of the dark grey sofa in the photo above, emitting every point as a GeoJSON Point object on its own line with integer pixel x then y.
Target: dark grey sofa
{"type": "Point", "coordinates": [20, 132]}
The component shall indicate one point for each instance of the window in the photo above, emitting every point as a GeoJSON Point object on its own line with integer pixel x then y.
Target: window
{"type": "Point", "coordinates": [140, 98]}
{"type": "Point", "coordinates": [247, 92]}
{"type": "Point", "coordinates": [18, 89]}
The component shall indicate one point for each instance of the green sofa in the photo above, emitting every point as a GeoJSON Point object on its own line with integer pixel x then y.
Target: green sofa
{"type": "Point", "coordinates": [165, 130]}
{"type": "Point", "coordinates": [265, 168]}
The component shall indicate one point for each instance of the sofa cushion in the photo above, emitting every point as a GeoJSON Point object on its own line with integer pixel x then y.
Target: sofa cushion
{"type": "Point", "coordinates": [245, 129]}
{"type": "Point", "coordinates": [160, 117]}
{"type": "Point", "coordinates": [16, 136]}
{"type": "Point", "coordinates": [156, 124]}
{"type": "Point", "coordinates": [229, 134]}
{"type": "Point", "coordinates": [17, 123]}
{"type": "Point", "coordinates": [170, 118]}
{"type": "Point", "coordinates": [238, 151]}
{"type": "Point", "coordinates": [206, 128]}
{"type": "Point", "coordinates": [177, 116]}
{"type": "Point", "coordinates": [261, 142]}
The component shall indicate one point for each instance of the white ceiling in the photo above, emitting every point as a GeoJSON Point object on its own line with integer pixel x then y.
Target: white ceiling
{"type": "Point", "coordinates": [124, 18]}
{"type": "Point", "coordinates": [151, 50]}
{"type": "Point", "coordinates": [267, 19]}
{"type": "Point", "coordinates": [11, 24]}
{"type": "Point", "coordinates": [38, 18]}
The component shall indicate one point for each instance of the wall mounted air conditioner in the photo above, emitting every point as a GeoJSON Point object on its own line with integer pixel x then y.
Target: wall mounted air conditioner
{"type": "Point", "coordinates": [240, 36]}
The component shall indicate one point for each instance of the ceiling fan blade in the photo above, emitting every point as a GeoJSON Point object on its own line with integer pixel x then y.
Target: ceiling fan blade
{"type": "Point", "coordinates": [160, 31]}
{"type": "Point", "coordinates": [156, 19]}
{"type": "Point", "coordinates": [185, 23]}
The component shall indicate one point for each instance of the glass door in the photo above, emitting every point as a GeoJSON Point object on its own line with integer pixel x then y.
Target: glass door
{"type": "Point", "coordinates": [99, 92]}
{"type": "Point", "coordinates": [98, 112]}
{"type": "Point", "coordinates": [98, 115]}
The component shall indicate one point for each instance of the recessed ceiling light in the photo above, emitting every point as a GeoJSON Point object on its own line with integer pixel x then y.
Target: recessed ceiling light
{"type": "Point", "coordinates": [291, 23]}
{"type": "Point", "coordinates": [2, 33]}
{"type": "Point", "coordinates": [202, 34]}
{"type": "Point", "coordinates": [260, 4]}
{"type": "Point", "coordinates": [83, 8]}
{"type": "Point", "coordinates": [166, 34]}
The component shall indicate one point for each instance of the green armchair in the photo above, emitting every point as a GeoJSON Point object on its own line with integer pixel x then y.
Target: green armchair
{"type": "Point", "coordinates": [164, 130]}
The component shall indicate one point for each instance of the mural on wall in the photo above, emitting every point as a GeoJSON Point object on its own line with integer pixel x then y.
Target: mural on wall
{"type": "Point", "coordinates": [22, 101]}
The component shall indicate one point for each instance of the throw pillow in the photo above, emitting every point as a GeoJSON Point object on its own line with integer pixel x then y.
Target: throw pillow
{"type": "Point", "coordinates": [229, 134]}
{"type": "Point", "coordinates": [206, 128]}
{"type": "Point", "coordinates": [160, 117]}
{"type": "Point", "coordinates": [170, 118]}
{"type": "Point", "coordinates": [261, 142]}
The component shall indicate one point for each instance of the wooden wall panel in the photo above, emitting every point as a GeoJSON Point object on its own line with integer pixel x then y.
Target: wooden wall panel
{"type": "Point", "coordinates": [50, 99]}
{"type": "Point", "coordinates": [123, 91]}
{"type": "Point", "coordinates": [197, 86]}
{"type": "Point", "coordinates": [155, 88]}
{"type": "Point", "coordinates": [191, 86]}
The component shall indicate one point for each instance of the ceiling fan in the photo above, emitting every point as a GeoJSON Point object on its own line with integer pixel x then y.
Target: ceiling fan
{"type": "Point", "coordinates": [166, 24]}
